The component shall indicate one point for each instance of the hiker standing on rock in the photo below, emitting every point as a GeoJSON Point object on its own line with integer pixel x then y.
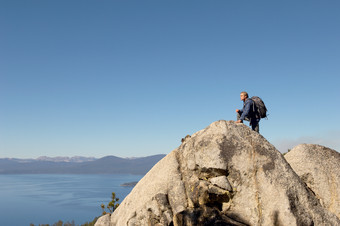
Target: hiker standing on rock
{"type": "Point", "coordinates": [248, 112]}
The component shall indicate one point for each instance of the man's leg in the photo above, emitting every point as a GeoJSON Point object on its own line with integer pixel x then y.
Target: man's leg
{"type": "Point", "coordinates": [238, 116]}
{"type": "Point", "coordinates": [255, 125]}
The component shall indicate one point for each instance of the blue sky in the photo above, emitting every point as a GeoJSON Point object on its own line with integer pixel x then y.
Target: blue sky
{"type": "Point", "coordinates": [131, 78]}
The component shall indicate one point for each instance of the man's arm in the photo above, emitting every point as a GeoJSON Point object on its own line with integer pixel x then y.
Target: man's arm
{"type": "Point", "coordinates": [239, 111]}
{"type": "Point", "coordinates": [246, 109]}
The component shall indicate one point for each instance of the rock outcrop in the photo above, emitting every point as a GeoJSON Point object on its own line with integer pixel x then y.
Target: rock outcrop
{"type": "Point", "coordinates": [225, 174]}
{"type": "Point", "coordinates": [319, 168]}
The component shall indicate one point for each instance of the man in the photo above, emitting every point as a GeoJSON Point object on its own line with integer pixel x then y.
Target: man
{"type": "Point", "coordinates": [248, 112]}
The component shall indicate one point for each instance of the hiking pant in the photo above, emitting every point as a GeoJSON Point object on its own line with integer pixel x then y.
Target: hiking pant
{"type": "Point", "coordinates": [254, 122]}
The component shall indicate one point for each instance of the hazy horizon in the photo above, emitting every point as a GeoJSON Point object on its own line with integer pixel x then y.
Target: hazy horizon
{"type": "Point", "coordinates": [76, 156]}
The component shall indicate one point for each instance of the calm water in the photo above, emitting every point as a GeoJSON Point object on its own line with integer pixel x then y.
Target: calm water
{"type": "Point", "coordinates": [45, 199]}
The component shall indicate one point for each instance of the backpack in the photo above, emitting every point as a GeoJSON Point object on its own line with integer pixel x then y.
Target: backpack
{"type": "Point", "coordinates": [261, 110]}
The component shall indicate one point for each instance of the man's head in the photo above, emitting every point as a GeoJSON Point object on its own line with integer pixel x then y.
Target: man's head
{"type": "Point", "coordinates": [243, 96]}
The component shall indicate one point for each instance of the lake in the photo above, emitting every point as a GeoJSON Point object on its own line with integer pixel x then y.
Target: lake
{"type": "Point", "coordinates": [46, 198]}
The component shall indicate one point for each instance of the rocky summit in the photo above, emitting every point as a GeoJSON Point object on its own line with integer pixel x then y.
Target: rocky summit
{"type": "Point", "coordinates": [227, 174]}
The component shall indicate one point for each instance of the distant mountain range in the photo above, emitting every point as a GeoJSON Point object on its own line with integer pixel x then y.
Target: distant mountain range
{"type": "Point", "coordinates": [79, 165]}
{"type": "Point", "coordinates": [66, 159]}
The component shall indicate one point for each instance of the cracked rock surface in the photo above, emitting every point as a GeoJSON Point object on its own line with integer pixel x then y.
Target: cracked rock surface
{"type": "Point", "coordinates": [225, 174]}
{"type": "Point", "coordinates": [319, 168]}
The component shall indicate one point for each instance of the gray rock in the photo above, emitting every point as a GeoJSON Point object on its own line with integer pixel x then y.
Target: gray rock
{"type": "Point", "coordinates": [319, 168]}
{"type": "Point", "coordinates": [222, 182]}
{"type": "Point", "coordinates": [225, 174]}
{"type": "Point", "coordinates": [104, 220]}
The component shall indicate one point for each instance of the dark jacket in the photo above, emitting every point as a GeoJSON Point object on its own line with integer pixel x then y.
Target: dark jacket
{"type": "Point", "coordinates": [248, 110]}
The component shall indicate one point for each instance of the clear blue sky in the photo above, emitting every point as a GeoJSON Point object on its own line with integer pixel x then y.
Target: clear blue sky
{"type": "Point", "coordinates": [131, 78]}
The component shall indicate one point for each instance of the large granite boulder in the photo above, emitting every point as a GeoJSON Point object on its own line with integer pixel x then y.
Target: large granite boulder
{"type": "Point", "coordinates": [319, 168]}
{"type": "Point", "coordinates": [225, 174]}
